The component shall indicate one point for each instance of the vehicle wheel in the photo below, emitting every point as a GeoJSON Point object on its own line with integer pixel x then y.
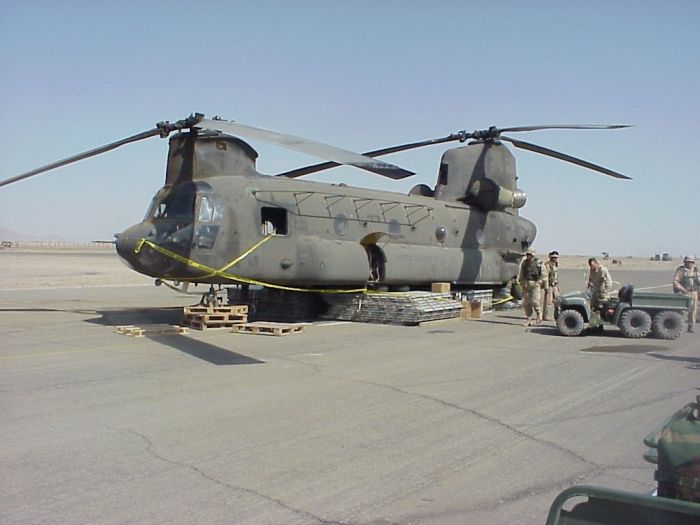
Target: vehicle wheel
{"type": "Point", "coordinates": [570, 323]}
{"type": "Point", "coordinates": [635, 323]}
{"type": "Point", "coordinates": [667, 325]}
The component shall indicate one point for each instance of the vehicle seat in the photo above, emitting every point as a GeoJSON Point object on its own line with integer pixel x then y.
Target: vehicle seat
{"type": "Point", "coordinates": [625, 293]}
{"type": "Point", "coordinates": [606, 506]}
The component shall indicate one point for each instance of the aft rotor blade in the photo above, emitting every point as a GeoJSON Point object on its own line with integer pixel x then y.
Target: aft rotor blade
{"type": "Point", "coordinates": [307, 146]}
{"type": "Point", "coordinates": [563, 126]}
{"type": "Point", "coordinates": [374, 153]}
{"type": "Point", "coordinates": [563, 156]}
{"type": "Point", "coordinates": [81, 156]}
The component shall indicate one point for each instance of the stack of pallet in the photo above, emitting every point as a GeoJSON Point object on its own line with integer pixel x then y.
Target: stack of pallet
{"type": "Point", "coordinates": [208, 317]}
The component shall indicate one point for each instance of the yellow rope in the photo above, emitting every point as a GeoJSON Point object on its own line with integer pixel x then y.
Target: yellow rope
{"type": "Point", "coordinates": [212, 272]}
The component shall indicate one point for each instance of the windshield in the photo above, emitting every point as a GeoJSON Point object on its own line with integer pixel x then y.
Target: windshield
{"type": "Point", "coordinates": [176, 204]}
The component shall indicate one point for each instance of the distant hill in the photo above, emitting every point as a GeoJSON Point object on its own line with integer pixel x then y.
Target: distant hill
{"type": "Point", "coordinates": [10, 235]}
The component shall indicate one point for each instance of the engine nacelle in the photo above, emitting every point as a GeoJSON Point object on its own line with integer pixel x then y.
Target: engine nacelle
{"type": "Point", "coordinates": [488, 195]}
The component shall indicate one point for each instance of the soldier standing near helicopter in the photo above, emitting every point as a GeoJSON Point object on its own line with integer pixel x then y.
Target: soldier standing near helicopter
{"type": "Point", "coordinates": [687, 282]}
{"type": "Point", "coordinates": [530, 277]}
{"type": "Point", "coordinates": [550, 285]}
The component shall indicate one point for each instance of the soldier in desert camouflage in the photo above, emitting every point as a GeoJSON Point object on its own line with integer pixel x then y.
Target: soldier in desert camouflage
{"type": "Point", "coordinates": [687, 282]}
{"type": "Point", "coordinates": [599, 284]}
{"type": "Point", "coordinates": [550, 286]}
{"type": "Point", "coordinates": [530, 278]}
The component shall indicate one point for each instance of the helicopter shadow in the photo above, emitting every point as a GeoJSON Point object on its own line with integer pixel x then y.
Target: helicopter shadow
{"type": "Point", "coordinates": [145, 317]}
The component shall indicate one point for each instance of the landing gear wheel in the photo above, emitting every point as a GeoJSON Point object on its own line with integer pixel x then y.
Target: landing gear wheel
{"type": "Point", "coordinates": [213, 298]}
{"type": "Point", "coordinates": [570, 323]}
{"type": "Point", "coordinates": [635, 323]}
{"type": "Point", "coordinates": [667, 325]}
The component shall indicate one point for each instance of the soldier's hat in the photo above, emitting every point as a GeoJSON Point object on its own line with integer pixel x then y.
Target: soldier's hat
{"type": "Point", "coordinates": [554, 254]}
{"type": "Point", "coordinates": [530, 251]}
{"type": "Point", "coordinates": [688, 258]}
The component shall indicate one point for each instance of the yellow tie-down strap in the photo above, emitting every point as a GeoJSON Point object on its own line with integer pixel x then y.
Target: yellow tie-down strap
{"type": "Point", "coordinates": [212, 272]}
{"type": "Point", "coordinates": [504, 300]}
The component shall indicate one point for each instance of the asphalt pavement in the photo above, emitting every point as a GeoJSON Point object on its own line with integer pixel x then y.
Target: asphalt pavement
{"type": "Point", "coordinates": [480, 421]}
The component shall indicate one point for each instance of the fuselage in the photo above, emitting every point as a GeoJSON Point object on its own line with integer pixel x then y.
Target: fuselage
{"type": "Point", "coordinates": [318, 235]}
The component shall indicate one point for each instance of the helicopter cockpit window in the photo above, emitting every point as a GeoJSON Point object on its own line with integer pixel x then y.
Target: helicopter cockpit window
{"type": "Point", "coordinates": [177, 204]}
{"type": "Point", "coordinates": [273, 221]}
{"type": "Point", "coordinates": [209, 210]}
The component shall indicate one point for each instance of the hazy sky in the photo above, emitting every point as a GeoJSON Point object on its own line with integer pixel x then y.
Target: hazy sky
{"type": "Point", "coordinates": [361, 75]}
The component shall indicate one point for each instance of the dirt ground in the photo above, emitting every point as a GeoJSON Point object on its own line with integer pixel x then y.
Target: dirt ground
{"type": "Point", "coordinates": [47, 267]}
{"type": "Point", "coordinates": [65, 268]}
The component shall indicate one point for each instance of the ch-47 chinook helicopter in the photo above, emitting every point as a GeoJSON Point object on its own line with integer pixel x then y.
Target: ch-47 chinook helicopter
{"type": "Point", "coordinates": [217, 220]}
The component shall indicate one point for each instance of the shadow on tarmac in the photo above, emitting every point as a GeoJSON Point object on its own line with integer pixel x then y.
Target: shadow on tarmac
{"type": "Point", "coordinates": [144, 317]}
{"type": "Point", "coordinates": [694, 361]}
{"type": "Point", "coordinates": [205, 351]}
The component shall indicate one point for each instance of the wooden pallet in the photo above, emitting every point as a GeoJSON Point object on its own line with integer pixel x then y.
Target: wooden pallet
{"type": "Point", "coordinates": [209, 317]}
{"type": "Point", "coordinates": [151, 330]}
{"type": "Point", "coordinates": [261, 328]}
{"type": "Point", "coordinates": [210, 324]}
{"type": "Point", "coordinates": [236, 309]}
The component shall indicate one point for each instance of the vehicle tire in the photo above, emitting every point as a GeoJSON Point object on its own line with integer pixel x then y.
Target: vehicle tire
{"type": "Point", "coordinates": [635, 323]}
{"type": "Point", "coordinates": [570, 323]}
{"type": "Point", "coordinates": [667, 325]}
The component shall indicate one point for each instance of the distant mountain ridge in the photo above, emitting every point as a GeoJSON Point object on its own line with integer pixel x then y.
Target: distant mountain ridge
{"type": "Point", "coordinates": [10, 235]}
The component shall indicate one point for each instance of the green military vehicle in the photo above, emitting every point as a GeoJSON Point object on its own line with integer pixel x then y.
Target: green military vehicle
{"type": "Point", "coordinates": [636, 314]}
{"type": "Point", "coordinates": [674, 447]}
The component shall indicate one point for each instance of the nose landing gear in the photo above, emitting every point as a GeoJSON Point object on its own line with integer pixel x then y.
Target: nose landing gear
{"type": "Point", "coordinates": [214, 297]}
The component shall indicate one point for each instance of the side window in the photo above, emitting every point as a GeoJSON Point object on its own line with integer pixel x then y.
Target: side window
{"type": "Point", "coordinates": [206, 210]}
{"type": "Point", "coordinates": [210, 209]}
{"type": "Point", "coordinates": [273, 221]}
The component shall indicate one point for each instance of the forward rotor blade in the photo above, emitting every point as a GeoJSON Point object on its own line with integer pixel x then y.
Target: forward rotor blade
{"type": "Point", "coordinates": [374, 153]}
{"type": "Point", "coordinates": [563, 156]}
{"type": "Point", "coordinates": [307, 146]}
{"type": "Point", "coordinates": [81, 156]}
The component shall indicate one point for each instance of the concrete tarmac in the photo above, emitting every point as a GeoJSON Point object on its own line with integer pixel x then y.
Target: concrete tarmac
{"type": "Point", "coordinates": [450, 422]}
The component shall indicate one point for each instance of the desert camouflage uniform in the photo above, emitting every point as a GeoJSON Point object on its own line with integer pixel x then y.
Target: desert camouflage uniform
{"type": "Point", "coordinates": [599, 283]}
{"type": "Point", "coordinates": [529, 276]}
{"type": "Point", "coordinates": [550, 285]}
{"type": "Point", "coordinates": [687, 282]}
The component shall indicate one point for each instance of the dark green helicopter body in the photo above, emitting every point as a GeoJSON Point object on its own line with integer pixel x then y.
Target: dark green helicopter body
{"type": "Point", "coordinates": [323, 233]}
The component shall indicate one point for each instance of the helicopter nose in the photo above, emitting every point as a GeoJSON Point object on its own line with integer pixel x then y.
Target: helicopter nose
{"type": "Point", "coordinates": [130, 239]}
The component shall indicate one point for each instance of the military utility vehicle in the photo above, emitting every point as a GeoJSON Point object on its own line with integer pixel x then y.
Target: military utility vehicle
{"type": "Point", "coordinates": [674, 447]}
{"type": "Point", "coordinates": [636, 314]}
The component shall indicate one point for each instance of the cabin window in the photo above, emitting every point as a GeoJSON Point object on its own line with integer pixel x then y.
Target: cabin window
{"type": "Point", "coordinates": [341, 224]}
{"type": "Point", "coordinates": [394, 228]}
{"type": "Point", "coordinates": [273, 221]}
{"type": "Point", "coordinates": [441, 233]}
